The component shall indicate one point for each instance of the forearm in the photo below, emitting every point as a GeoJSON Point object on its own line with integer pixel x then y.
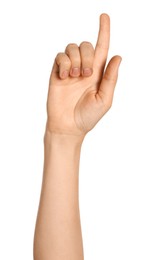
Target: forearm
{"type": "Point", "coordinates": [58, 230]}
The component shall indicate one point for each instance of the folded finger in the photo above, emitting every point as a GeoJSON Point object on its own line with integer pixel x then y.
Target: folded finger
{"type": "Point", "coordinates": [63, 65]}
{"type": "Point", "coordinates": [72, 50]}
{"type": "Point", "coordinates": [87, 57]}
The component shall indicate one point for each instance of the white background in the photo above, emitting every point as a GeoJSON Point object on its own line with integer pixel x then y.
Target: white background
{"type": "Point", "coordinates": [113, 169]}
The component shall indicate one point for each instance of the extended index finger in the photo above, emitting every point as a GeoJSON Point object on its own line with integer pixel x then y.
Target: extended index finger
{"type": "Point", "coordinates": [102, 45]}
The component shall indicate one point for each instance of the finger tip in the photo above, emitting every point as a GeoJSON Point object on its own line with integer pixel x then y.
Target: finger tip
{"type": "Point", "coordinates": [64, 74]}
{"type": "Point", "coordinates": [87, 72]}
{"type": "Point", "coordinates": [75, 72]}
{"type": "Point", "coordinates": [119, 58]}
{"type": "Point", "coordinates": [105, 16]}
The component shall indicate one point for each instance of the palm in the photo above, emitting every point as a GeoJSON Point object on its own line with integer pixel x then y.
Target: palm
{"type": "Point", "coordinates": [73, 105]}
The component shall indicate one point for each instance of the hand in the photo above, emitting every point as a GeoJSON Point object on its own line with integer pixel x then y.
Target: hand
{"type": "Point", "coordinates": [80, 88]}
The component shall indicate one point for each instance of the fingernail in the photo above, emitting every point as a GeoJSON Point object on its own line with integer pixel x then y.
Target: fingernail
{"type": "Point", "coordinates": [87, 72]}
{"type": "Point", "coordinates": [64, 74]}
{"type": "Point", "coordinates": [75, 72]}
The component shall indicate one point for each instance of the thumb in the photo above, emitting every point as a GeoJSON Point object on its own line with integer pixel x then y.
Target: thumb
{"type": "Point", "coordinates": [109, 80]}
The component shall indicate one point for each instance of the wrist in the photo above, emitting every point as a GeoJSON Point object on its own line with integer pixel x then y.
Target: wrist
{"type": "Point", "coordinates": [62, 140]}
{"type": "Point", "coordinates": [62, 149]}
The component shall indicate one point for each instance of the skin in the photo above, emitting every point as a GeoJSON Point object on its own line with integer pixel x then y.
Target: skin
{"type": "Point", "coordinates": [80, 92]}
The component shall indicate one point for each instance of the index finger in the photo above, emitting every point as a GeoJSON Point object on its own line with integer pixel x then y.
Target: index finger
{"type": "Point", "coordinates": [102, 45]}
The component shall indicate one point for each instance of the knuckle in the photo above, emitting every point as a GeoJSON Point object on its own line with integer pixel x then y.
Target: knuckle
{"type": "Point", "coordinates": [62, 58]}
{"type": "Point", "coordinates": [71, 46]}
{"type": "Point", "coordinates": [86, 43]}
{"type": "Point", "coordinates": [59, 56]}
{"type": "Point", "coordinates": [109, 104]}
{"type": "Point", "coordinates": [109, 77]}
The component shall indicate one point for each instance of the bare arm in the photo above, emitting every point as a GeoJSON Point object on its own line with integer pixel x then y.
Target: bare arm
{"type": "Point", "coordinates": [80, 93]}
